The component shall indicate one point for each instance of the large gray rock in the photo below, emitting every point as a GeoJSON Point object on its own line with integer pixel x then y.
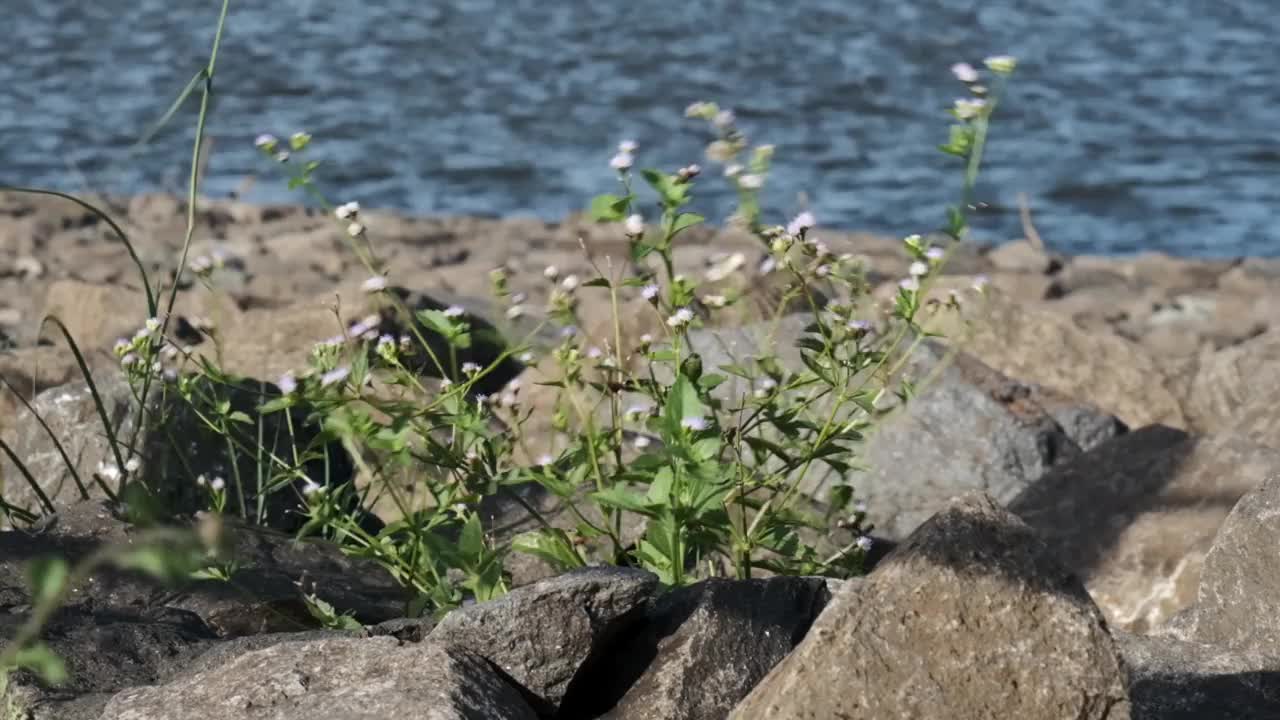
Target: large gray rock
{"type": "Point", "coordinates": [333, 679]}
{"type": "Point", "coordinates": [1170, 679]}
{"type": "Point", "coordinates": [542, 634]}
{"type": "Point", "coordinates": [708, 644]}
{"type": "Point", "coordinates": [1238, 605]}
{"type": "Point", "coordinates": [1136, 516]}
{"type": "Point", "coordinates": [969, 428]}
{"type": "Point", "coordinates": [971, 617]}
{"type": "Point", "coordinates": [1225, 381]}
{"type": "Point", "coordinates": [928, 451]}
{"type": "Point", "coordinates": [175, 446]}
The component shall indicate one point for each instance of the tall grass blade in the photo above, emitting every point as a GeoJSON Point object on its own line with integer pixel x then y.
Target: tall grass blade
{"type": "Point", "coordinates": [31, 480]}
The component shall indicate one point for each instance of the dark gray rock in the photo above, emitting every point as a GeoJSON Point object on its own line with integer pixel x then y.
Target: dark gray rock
{"type": "Point", "coordinates": [969, 428]}
{"type": "Point", "coordinates": [1238, 605]}
{"type": "Point", "coordinates": [702, 648]}
{"type": "Point", "coordinates": [175, 447]}
{"type": "Point", "coordinates": [971, 617]}
{"type": "Point", "coordinates": [542, 634]}
{"type": "Point", "coordinates": [1171, 679]}
{"type": "Point", "coordinates": [333, 679]}
{"type": "Point", "coordinates": [1136, 516]}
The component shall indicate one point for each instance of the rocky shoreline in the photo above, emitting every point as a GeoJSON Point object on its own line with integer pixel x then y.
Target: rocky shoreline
{"type": "Point", "coordinates": [1082, 502]}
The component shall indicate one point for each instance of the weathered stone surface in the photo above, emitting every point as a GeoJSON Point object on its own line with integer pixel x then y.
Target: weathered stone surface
{"type": "Point", "coordinates": [1174, 680]}
{"type": "Point", "coordinates": [1136, 516]}
{"type": "Point", "coordinates": [971, 617]}
{"type": "Point", "coordinates": [701, 649]}
{"type": "Point", "coordinates": [1022, 256]}
{"type": "Point", "coordinates": [333, 679]}
{"type": "Point", "coordinates": [175, 446]}
{"type": "Point", "coordinates": [1259, 419]}
{"type": "Point", "coordinates": [543, 633]}
{"type": "Point", "coordinates": [1042, 347]}
{"type": "Point", "coordinates": [263, 594]}
{"type": "Point", "coordinates": [1238, 605]}
{"type": "Point", "coordinates": [928, 452]}
{"type": "Point", "coordinates": [1225, 381]}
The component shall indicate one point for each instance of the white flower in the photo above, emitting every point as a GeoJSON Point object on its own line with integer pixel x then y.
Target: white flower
{"type": "Point", "coordinates": [311, 487]}
{"type": "Point", "coordinates": [863, 543]}
{"type": "Point", "coordinates": [918, 269]}
{"type": "Point", "coordinates": [715, 301]}
{"type": "Point", "coordinates": [634, 225]}
{"type": "Point", "coordinates": [622, 161]}
{"type": "Point", "coordinates": [282, 156]}
{"type": "Point", "coordinates": [570, 283]}
{"type": "Point", "coordinates": [964, 72]}
{"type": "Point", "coordinates": [201, 480]}
{"type": "Point", "coordinates": [800, 223]}
{"type": "Point", "coordinates": [132, 464]}
{"type": "Point", "coordinates": [287, 383]}
{"type": "Point", "coordinates": [551, 272]}
{"type": "Point", "coordinates": [860, 507]}
{"type": "Point", "coordinates": [751, 181]}
{"type": "Point", "coordinates": [980, 283]}
{"type": "Point", "coordinates": [768, 265]}
{"type": "Point", "coordinates": [355, 229]}
{"type": "Point", "coordinates": [731, 171]}
{"type": "Point", "coordinates": [641, 442]}
{"type": "Point", "coordinates": [545, 460]}
{"type": "Point", "coordinates": [595, 353]}
{"type": "Point", "coordinates": [723, 119]}
{"type": "Point", "coordinates": [453, 311]}
{"type": "Point", "coordinates": [526, 358]}
{"type": "Point", "coordinates": [217, 484]}
{"type": "Point", "coordinates": [1003, 64]}
{"type": "Point", "coordinates": [628, 146]}
{"type": "Point", "coordinates": [446, 383]}
{"type": "Point", "coordinates": [910, 284]}
{"type": "Point", "coordinates": [515, 311]}
{"type": "Point", "coordinates": [470, 368]}
{"type": "Point", "coordinates": [335, 375]}
{"type": "Point", "coordinates": [377, 283]}
{"type": "Point", "coordinates": [646, 339]}
{"type": "Point", "coordinates": [859, 325]}
{"type": "Point", "coordinates": [108, 471]}
{"type": "Point", "coordinates": [935, 253]}
{"type": "Point", "coordinates": [650, 292]}
{"type": "Point", "coordinates": [265, 141]}
{"type": "Point", "coordinates": [694, 423]}
{"type": "Point", "coordinates": [128, 359]}
{"type": "Point", "coordinates": [682, 317]}
{"type": "Point", "coordinates": [967, 108]}
{"type": "Point", "coordinates": [347, 211]}
{"type": "Point", "coordinates": [823, 270]}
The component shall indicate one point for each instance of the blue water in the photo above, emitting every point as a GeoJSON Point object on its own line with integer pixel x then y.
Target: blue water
{"type": "Point", "coordinates": [1131, 126]}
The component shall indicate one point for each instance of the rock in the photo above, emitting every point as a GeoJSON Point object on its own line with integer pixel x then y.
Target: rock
{"type": "Point", "coordinates": [1253, 277]}
{"type": "Point", "coordinates": [1174, 680]}
{"type": "Point", "coordinates": [32, 370]}
{"type": "Point", "coordinates": [1238, 605]}
{"type": "Point", "coordinates": [262, 596]}
{"type": "Point", "coordinates": [1224, 381]}
{"type": "Point", "coordinates": [1259, 419]}
{"type": "Point", "coordinates": [920, 458]}
{"type": "Point", "coordinates": [1136, 516]}
{"type": "Point", "coordinates": [1040, 347]}
{"type": "Point", "coordinates": [971, 617]}
{"type": "Point", "coordinates": [542, 634]}
{"type": "Point", "coordinates": [700, 649]}
{"type": "Point", "coordinates": [333, 679]}
{"type": "Point", "coordinates": [176, 445]}
{"type": "Point", "coordinates": [1023, 256]}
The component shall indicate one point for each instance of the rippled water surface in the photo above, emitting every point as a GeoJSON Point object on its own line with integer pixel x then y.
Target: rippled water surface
{"type": "Point", "coordinates": [1132, 125]}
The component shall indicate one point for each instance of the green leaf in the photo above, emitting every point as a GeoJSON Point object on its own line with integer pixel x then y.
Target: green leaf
{"type": "Point", "coordinates": [471, 540]}
{"type": "Point", "coordinates": [609, 208]}
{"type": "Point", "coordinates": [597, 282]}
{"type": "Point", "coordinates": [165, 563]}
{"type": "Point", "coordinates": [623, 499]}
{"type": "Point", "coordinates": [550, 544]}
{"type": "Point", "coordinates": [673, 194]}
{"type": "Point", "coordinates": [47, 577]}
{"type": "Point", "coordinates": [42, 661]}
{"type": "Point", "coordinates": [711, 382]}
{"type": "Point", "coordinates": [660, 489]}
{"type": "Point", "coordinates": [684, 221]}
{"type": "Point", "coordinates": [682, 402]}
{"type": "Point", "coordinates": [240, 417]}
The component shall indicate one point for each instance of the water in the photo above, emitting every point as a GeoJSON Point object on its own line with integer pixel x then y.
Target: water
{"type": "Point", "coordinates": [1132, 126]}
